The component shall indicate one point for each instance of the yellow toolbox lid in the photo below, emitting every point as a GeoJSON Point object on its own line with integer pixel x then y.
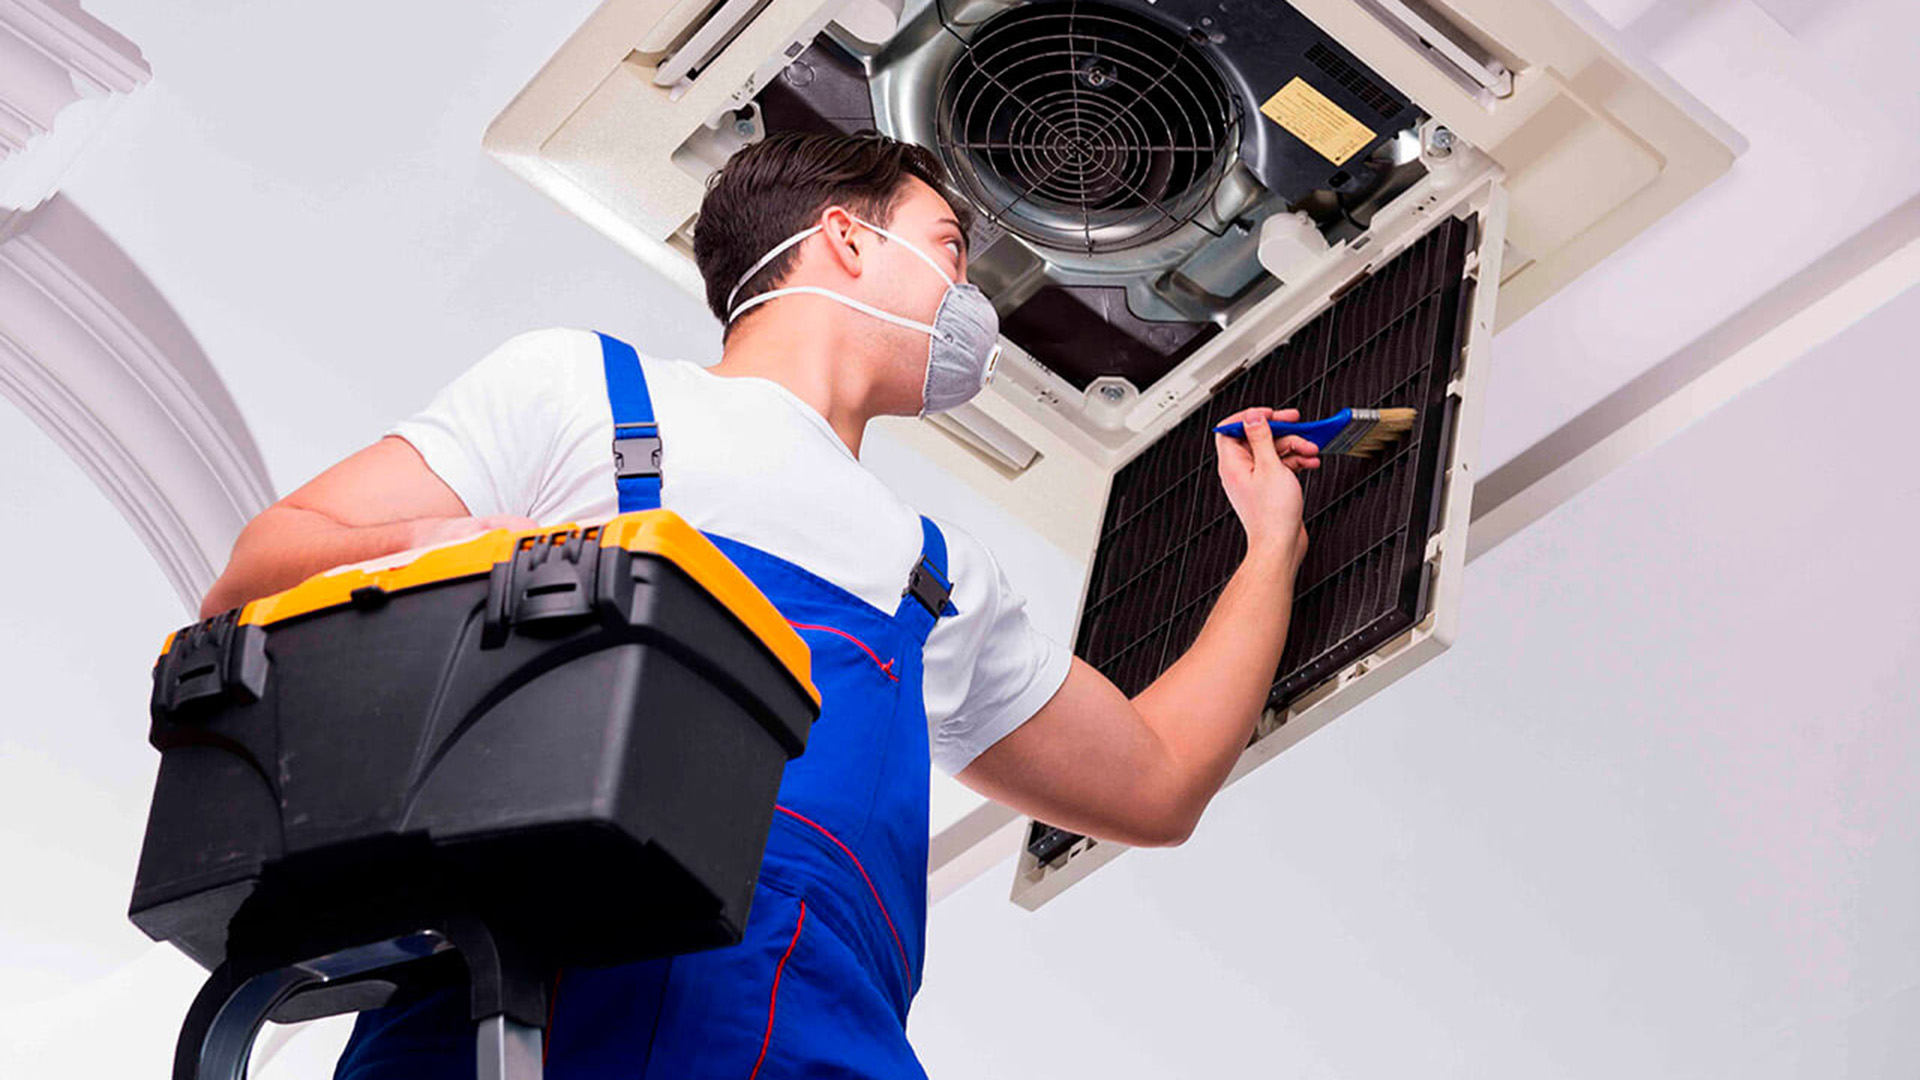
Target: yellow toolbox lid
{"type": "Point", "coordinates": [658, 532]}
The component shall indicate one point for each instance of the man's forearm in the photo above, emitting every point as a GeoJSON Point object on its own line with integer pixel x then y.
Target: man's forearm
{"type": "Point", "coordinates": [1205, 705]}
{"type": "Point", "coordinates": [284, 546]}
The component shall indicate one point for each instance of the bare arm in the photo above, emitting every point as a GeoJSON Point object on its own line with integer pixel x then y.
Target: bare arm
{"type": "Point", "coordinates": [379, 500]}
{"type": "Point", "coordinates": [1142, 771]}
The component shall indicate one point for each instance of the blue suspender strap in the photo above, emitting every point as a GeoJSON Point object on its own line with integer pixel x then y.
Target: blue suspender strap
{"type": "Point", "coordinates": [928, 586]}
{"type": "Point", "coordinates": [636, 438]}
{"type": "Point", "coordinates": [636, 464]}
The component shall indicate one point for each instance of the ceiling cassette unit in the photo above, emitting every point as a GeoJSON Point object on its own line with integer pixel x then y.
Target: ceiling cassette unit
{"type": "Point", "coordinates": [1184, 207]}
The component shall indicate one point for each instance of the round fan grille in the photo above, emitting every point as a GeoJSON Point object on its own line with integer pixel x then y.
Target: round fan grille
{"type": "Point", "coordinates": [1085, 126]}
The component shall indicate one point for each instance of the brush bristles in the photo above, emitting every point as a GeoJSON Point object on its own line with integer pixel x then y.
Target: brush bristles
{"type": "Point", "coordinates": [1377, 428]}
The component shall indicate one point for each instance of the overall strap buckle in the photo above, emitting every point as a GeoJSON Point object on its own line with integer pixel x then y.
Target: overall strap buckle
{"type": "Point", "coordinates": [636, 450]}
{"type": "Point", "coordinates": [927, 585]}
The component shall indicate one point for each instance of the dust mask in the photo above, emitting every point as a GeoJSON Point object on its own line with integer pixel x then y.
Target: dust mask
{"type": "Point", "coordinates": [963, 341]}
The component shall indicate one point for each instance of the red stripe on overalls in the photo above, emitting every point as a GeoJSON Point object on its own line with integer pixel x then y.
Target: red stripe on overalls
{"type": "Point", "coordinates": [546, 1037]}
{"type": "Point", "coordinates": [885, 669]}
{"type": "Point", "coordinates": [908, 968]}
{"type": "Point", "coordinates": [774, 997]}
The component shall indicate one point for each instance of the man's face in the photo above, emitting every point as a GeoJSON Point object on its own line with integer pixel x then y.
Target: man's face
{"type": "Point", "coordinates": [904, 282]}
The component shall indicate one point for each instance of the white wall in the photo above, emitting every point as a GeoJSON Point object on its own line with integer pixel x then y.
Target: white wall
{"type": "Point", "coordinates": [84, 615]}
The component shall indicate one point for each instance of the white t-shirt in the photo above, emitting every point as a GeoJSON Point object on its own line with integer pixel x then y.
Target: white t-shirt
{"type": "Point", "coordinates": [528, 430]}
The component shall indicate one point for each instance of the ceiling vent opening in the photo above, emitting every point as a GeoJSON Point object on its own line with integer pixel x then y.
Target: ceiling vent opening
{"type": "Point", "coordinates": [1085, 127]}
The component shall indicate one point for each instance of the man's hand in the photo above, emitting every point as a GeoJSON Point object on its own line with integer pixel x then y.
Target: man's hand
{"type": "Point", "coordinates": [432, 532]}
{"type": "Point", "coordinates": [1258, 475]}
{"type": "Point", "coordinates": [1142, 771]}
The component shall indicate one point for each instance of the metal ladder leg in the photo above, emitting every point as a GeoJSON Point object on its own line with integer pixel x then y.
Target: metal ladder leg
{"type": "Point", "coordinates": [509, 1049]}
{"type": "Point", "coordinates": [226, 1015]}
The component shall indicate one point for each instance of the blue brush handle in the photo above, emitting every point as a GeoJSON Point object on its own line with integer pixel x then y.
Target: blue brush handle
{"type": "Point", "coordinates": [1317, 432]}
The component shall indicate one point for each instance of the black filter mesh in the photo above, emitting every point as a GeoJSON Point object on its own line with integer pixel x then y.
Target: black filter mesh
{"type": "Point", "coordinates": [1170, 540]}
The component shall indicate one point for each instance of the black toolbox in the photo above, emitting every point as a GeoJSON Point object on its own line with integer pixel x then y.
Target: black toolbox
{"type": "Point", "coordinates": [573, 735]}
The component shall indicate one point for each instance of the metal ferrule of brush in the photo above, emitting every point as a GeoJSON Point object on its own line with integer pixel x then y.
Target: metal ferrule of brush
{"type": "Point", "coordinates": [1358, 426]}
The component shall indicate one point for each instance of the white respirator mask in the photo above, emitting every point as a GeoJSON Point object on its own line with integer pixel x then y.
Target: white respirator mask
{"type": "Point", "coordinates": [963, 341]}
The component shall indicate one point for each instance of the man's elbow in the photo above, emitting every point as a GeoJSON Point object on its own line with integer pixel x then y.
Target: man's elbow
{"type": "Point", "coordinates": [1162, 838]}
{"type": "Point", "coordinates": [237, 582]}
{"type": "Point", "coordinates": [1163, 806]}
{"type": "Point", "coordinates": [1167, 828]}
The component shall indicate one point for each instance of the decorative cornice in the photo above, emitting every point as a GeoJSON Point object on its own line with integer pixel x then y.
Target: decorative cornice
{"type": "Point", "coordinates": [95, 355]}
{"type": "Point", "coordinates": [54, 56]}
{"type": "Point", "coordinates": [76, 40]}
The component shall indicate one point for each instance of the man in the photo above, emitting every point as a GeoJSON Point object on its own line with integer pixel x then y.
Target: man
{"type": "Point", "coordinates": [839, 271]}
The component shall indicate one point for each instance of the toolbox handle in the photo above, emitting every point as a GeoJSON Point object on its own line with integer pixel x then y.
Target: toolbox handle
{"type": "Point", "coordinates": [215, 659]}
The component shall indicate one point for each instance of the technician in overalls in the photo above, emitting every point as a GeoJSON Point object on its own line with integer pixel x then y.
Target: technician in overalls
{"type": "Point", "coordinates": [839, 271]}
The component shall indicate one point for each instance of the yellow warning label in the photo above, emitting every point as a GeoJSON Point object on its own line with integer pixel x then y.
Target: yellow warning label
{"type": "Point", "coordinates": [1317, 121]}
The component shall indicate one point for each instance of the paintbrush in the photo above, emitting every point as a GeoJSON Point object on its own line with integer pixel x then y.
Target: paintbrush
{"type": "Point", "coordinates": [1353, 432]}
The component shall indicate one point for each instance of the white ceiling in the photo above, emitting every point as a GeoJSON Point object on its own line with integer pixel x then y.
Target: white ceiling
{"type": "Point", "coordinates": [1654, 815]}
{"type": "Point", "coordinates": [1829, 117]}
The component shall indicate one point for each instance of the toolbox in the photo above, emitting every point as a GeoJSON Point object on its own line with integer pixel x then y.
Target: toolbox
{"type": "Point", "coordinates": [573, 736]}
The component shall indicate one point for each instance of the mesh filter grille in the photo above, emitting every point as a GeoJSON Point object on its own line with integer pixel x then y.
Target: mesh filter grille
{"type": "Point", "coordinates": [1170, 539]}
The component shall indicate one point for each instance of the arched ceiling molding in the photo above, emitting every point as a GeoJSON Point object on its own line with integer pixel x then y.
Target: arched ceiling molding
{"type": "Point", "coordinates": [88, 347]}
{"type": "Point", "coordinates": [98, 358]}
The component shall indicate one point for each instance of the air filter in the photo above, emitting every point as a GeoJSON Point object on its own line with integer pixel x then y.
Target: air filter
{"type": "Point", "coordinates": [1170, 539]}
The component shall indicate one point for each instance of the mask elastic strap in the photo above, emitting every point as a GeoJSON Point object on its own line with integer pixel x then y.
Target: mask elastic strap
{"type": "Point", "coordinates": [769, 257]}
{"type": "Point", "coordinates": [915, 248]}
{"type": "Point", "coordinates": [897, 320]}
{"type": "Point", "coordinates": [802, 235]}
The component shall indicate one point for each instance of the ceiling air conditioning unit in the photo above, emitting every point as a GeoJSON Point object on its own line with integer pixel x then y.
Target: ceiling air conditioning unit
{"type": "Point", "coordinates": [1186, 206]}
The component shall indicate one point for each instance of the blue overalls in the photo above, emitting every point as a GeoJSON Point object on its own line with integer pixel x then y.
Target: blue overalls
{"type": "Point", "coordinates": [820, 984]}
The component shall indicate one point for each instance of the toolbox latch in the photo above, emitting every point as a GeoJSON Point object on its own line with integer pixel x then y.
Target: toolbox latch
{"type": "Point", "coordinates": [215, 660]}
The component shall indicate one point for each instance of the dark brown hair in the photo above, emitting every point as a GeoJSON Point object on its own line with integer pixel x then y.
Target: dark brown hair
{"type": "Point", "coordinates": [778, 186]}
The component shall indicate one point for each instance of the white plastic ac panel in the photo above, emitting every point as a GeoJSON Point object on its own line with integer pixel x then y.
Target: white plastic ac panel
{"type": "Point", "coordinates": [1473, 189]}
{"type": "Point", "coordinates": [1561, 148]}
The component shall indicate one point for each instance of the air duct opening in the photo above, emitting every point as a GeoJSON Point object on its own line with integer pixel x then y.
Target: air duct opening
{"type": "Point", "coordinates": [1084, 126]}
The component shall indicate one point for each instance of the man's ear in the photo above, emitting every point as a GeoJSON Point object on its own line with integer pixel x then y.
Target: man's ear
{"type": "Point", "coordinates": [844, 239]}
